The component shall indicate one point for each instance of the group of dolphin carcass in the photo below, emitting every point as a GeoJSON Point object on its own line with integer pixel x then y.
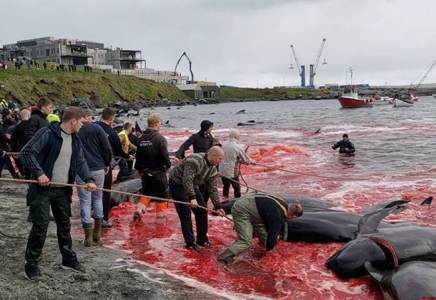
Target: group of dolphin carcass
{"type": "Point", "coordinates": [401, 257]}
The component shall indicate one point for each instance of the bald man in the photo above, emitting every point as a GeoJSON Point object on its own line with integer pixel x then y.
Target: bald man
{"type": "Point", "coordinates": [195, 170]}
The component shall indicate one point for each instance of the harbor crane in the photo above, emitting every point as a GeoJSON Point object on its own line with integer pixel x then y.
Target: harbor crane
{"type": "Point", "coordinates": [415, 87]}
{"type": "Point", "coordinates": [190, 66]}
{"type": "Point", "coordinates": [315, 66]}
{"type": "Point", "coordinates": [301, 69]}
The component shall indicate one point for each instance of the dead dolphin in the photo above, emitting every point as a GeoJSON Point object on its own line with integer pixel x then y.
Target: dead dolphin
{"type": "Point", "coordinates": [412, 280]}
{"type": "Point", "coordinates": [384, 248]}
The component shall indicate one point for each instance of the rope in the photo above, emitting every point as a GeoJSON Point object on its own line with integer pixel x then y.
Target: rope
{"type": "Point", "coordinates": [311, 175]}
{"type": "Point", "coordinates": [105, 190]}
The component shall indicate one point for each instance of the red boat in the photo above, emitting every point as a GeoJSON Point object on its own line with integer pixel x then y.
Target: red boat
{"type": "Point", "coordinates": [352, 101]}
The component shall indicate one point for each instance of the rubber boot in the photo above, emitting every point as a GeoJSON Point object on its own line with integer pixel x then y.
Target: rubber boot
{"type": "Point", "coordinates": [97, 230]}
{"type": "Point", "coordinates": [226, 257]}
{"type": "Point", "coordinates": [87, 227]}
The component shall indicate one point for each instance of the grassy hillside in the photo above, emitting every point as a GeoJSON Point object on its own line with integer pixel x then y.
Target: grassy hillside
{"type": "Point", "coordinates": [27, 86]}
{"type": "Point", "coordinates": [250, 93]}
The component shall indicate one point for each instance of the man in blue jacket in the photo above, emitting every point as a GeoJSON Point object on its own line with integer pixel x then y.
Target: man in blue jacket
{"type": "Point", "coordinates": [54, 154]}
{"type": "Point", "coordinates": [345, 146]}
{"type": "Point", "coordinates": [98, 155]}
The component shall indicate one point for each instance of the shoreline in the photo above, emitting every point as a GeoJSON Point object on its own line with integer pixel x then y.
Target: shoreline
{"type": "Point", "coordinates": [111, 274]}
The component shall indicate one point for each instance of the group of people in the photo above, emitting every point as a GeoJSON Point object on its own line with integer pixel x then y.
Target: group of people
{"type": "Point", "coordinates": [73, 149]}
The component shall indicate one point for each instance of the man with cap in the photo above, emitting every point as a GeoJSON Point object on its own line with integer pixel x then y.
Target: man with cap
{"type": "Point", "coordinates": [201, 141]}
{"type": "Point", "coordinates": [98, 155]}
{"type": "Point", "coordinates": [260, 215]}
{"type": "Point", "coordinates": [345, 146]}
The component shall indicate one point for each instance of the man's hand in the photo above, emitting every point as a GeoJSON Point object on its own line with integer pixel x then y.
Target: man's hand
{"type": "Point", "coordinates": [176, 160]}
{"type": "Point", "coordinates": [194, 203]}
{"type": "Point", "coordinates": [90, 187]}
{"type": "Point", "coordinates": [43, 180]}
{"type": "Point", "coordinates": [130, 158]}
{"type": "Point", "coordinates": [347, 150]}
{"type": "Point", "coordinates": [253, 162]}
{"type": "Point", "coordinates": [220, 212]}
{"type": "Point", "coordinates": [106, 170]}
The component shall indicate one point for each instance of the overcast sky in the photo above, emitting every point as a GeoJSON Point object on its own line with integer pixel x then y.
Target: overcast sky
{"type": "Point", "coordinates": [247, 42]}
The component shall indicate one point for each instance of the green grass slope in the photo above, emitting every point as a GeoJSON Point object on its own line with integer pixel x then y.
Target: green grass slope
{"type": "Point", "coordinates": [26, 86]}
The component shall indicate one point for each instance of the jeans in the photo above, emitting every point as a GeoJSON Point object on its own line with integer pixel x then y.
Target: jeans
{"type": "Point", "coordinates": [86, 197]}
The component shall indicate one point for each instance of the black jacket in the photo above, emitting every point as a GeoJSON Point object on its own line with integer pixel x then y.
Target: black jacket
{"type": "Point", "coordinates": [4, 141]}
{"type": "Point", "coordinates": [96, 147]}
{"type": "Point", "coordinates": [272, 213]}
{"type": "Point", "coordinates": [114, 140]}
{"type": "Point", "coordinates": [36, 122]}
{"type": "Point", "coordinates": [342, 145]}
{"type": "Point", "coordinates": [200, 141]}
{"type": "Point", "coordinates": [152, 153]}
{"type": "Point", "coordinates": [18, 138]}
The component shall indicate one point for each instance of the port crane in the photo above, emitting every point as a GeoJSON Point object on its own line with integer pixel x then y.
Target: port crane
{"type": "Point", "coordinates": [315, 66]}
{"type": "Point", "coordinates": [301, 69]}
{"type": "Point", "coordinates": [190, 66]}
{"type": "Point", "coordinates": [415, 87]}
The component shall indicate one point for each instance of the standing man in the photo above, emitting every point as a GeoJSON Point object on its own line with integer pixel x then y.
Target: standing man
{"type": "Point", "coordinates": [107, 119]}
{"type": "Point", "coordinates": [152, 161]}
{"type": "Point", "coordinates": [261, 214]}
{"type": "Point", "coordinates": [197, 169]}
{"type": "Point", "coordinates": [234, 154]}
{"type": "Point", "coordinates": [201, 141]}
{"type": "Point", "coordinates": [98, 155]}
{"type": "Point", "coordinates": [54, 154]}
{"type": "Point", "coordinates": [18, 140]}
{"type": "Point", "coordinates": [345, 146]}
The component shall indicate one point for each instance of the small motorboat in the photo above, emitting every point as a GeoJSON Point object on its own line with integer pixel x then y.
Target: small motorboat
{"type": "Point", "coordinates": [403, 102]}
{"type": "Point", "coordinates": [383, 100]}
{"type": "Point", "coordinates": [434, 96]}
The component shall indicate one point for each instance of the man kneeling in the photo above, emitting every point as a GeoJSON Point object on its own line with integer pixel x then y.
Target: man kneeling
{"type": "Point", "coordinates": [261, 214]}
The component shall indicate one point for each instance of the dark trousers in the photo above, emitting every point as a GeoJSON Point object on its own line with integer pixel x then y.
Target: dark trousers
{"type": "Point", "coordinates": [155, 183]}
{"type": "Point", "coordinates": [107, 196]}
{"type": "Point", "coordinates": [204, 192]}
{"type": "Point", "coordinates": [6, 161]}
{"type": "Point", "coordinates": [235, 184]}
{"type": "Point", "coordinates": [59, 199]}
{"type": "Point", "coordinates": [184, 212]}
{"type": "Point", "coordinates": [124, 169]}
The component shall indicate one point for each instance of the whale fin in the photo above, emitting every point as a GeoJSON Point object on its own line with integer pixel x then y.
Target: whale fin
{"type": "Point", "coordinates": [369, 222]}
{"type": "Point", "coordinates": [397, 203]}
{"type": "Point", "coordinates": [427, 201]}
{"type": "Point", "coordinates": [375, 273]}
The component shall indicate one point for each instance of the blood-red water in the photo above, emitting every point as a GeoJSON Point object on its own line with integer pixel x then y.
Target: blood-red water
{"type": "Point", "coordinates": [393, 161]}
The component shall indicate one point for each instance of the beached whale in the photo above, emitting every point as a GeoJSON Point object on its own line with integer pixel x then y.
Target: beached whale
{"type": "Point", "coordinates": [412, 280]}
{"type": "Point", "coordinates": [384, 248]}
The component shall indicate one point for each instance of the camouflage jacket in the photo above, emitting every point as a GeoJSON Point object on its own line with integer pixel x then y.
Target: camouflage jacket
{"type": "Point", "coordinates": [193, 171]}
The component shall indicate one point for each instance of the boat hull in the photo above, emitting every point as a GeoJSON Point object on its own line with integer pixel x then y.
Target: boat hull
{"type": "Point", "coordinates": [347, 102]}
{"type": "Point", "coordinates": [402, 103]}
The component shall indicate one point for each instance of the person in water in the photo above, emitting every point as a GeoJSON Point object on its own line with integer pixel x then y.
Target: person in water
{"type": "Point", "coordinates": [259, 215]}
{"type": "Point", "coordinates": [345, 146]}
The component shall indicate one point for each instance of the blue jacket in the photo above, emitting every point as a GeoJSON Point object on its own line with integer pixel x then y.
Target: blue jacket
{"type": "Point", "coordinates": [42, 151]}
{"type": "Point", "coordinates": [96, 147]}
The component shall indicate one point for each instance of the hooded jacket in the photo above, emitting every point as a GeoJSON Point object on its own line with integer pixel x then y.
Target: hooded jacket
{"type": "Point", "coordinates": [200, 141]}
{"type": "Point", "coordinates": [42, 151]}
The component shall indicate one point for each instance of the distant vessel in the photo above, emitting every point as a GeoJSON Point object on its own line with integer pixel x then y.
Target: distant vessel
{"type": "Point", "coordinates": [402, 102]}
{"type": "Point", "coordinates": [434, 96]}
{"type": "Point", "coordinates": [351, 98]}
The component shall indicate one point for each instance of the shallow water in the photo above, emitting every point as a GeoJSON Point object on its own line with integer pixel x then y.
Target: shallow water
{"type": "Point", "coordinates": [394, 159]}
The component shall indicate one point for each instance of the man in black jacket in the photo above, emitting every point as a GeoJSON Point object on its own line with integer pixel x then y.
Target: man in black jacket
{"type": "Point", "coordinates": [4, 144]}
{"type": "Point", "coordinates": [107, 119]}
{"type": "Point", "coordinates": [262, 215]}
{"type": "Point", "coordinates": [345, 146]}
{"type": "Point", "coordinates": [54, 154]}
{"type": "Point", "coordinates": [38, 118]}
{"type": "Point", "coordinates": [200, 141]}
{"type": "Point", "coordinates": [152, 161]}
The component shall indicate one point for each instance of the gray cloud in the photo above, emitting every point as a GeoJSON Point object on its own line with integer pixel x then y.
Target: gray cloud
{"type": "Point", "coordinates": [246, 43]}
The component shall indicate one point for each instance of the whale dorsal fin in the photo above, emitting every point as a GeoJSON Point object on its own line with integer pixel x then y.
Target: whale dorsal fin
{"type": "Point", "coordinates": [375, 273]}
{"type": "Point", "coordinates": [369, 222]}
{"type": "Point", "coordinates": [397, 203]}
{"type": "Point", "coordinates": [427, 201]}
